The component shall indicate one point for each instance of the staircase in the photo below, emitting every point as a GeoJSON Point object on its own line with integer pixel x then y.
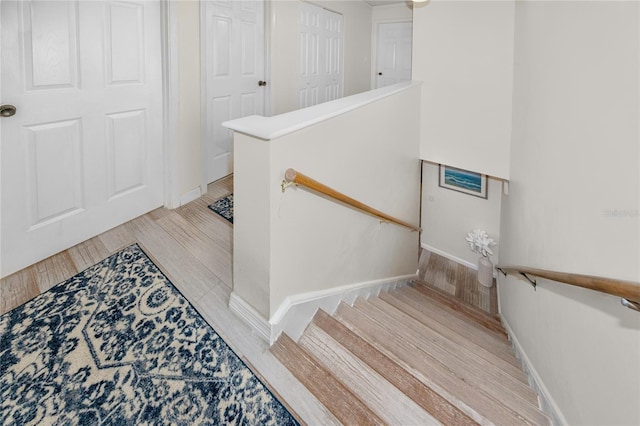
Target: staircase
{"type": "Point", "coordinates": [412, 356]}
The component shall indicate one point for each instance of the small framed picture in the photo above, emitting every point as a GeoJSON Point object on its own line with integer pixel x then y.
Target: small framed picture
{"type": "Point", "coordinates": [471, 183]}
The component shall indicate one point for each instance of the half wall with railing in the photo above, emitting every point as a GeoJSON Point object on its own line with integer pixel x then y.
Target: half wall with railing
{"type": "Point", "coordinates": [297, 246]}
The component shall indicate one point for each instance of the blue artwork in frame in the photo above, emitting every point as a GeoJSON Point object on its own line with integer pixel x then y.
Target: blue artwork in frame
{"type": "Point", "coordinates": [460, 180]}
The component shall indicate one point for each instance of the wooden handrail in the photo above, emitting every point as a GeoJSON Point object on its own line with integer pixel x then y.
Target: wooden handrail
{"type": "Point", "coordinates": [628, 290]}
{"type": "Point", "coordinates": [291, 176]}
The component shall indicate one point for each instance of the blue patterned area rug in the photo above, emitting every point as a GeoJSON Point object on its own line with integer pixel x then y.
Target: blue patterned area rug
{"type": "Point", "coordinates": [224, 207]}
{"type": "Point", "coordinates": [118, 344]}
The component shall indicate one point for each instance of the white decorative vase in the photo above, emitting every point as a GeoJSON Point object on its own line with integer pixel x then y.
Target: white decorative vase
{"type": "Point", "coordinates": [485, 272]}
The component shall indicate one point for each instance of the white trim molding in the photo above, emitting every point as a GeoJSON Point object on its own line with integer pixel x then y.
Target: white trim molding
{"type": "Point", "coordinates": [546, 401]}
{"type": "Point", "coordinates": [170, 92]}
{"type": "Point", "coordinates": [297, 311]}
{"type": "Point", "coordinates": [269, 128]}
{"type": "Point", "coordinates": [249, 315]}
{"type": "Point", "coordinates": [449, 256]}
{"type": "Point", "coordinates": [194, 194]}
{"type": "Point", "coordinates": [456, 259]}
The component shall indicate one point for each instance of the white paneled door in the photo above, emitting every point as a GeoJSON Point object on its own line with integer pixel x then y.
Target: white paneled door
{"type": "Point", "coordinates": [393, 54]}
{"type": "Point", "coordinates": [83, 152]}
{"type": "Point", "coordinates": [321, 67]}
{"type": "Point", "coordinates": [234, 68]}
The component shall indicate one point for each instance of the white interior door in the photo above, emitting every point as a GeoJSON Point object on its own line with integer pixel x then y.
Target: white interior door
{"type": "Point", "coordinates": [321, 67]}
{"type": "Point", "coordinates": [393, 53]}
{"type": "Point", "coordinates": [83, 153]}
{"type": "Point", "coordinates": [234, 55]}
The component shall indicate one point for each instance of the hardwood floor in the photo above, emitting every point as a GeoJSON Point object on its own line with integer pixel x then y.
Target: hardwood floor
{"type": "Point", "coordinates": [457, 280]}
{"type": "Point", "coordinates": [193, 246]}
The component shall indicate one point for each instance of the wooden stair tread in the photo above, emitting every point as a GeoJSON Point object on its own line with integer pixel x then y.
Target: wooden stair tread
{"type": "Point", "coordinates": [485, 347]}
{"type": "Point", "coordinates": [448, 316]}
{"type": "Point", "coordinates": [483, 318]}
{"type": "Point", "coordinates": [423, 395]}
{"type": "Point", "coordinates": [430, 304]}
{"type": "Point", "coordinates": [334, 395]}
{"type": "Point", "coordinates": [458, 358]}
{"type": "Point", "coordinates": [468, 397]}
{"type": "Point", "coordinates": [414, 355]}
{"type": "Point", "coordinates": [389, 403]}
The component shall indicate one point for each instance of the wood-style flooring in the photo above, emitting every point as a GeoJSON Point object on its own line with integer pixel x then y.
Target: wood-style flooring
{"type": "Point", "coordinates": [413, 355]}
{"type": "Point", "coordinates": [457, 280]}
{"type": "Point", "coordinates": [193, 246]}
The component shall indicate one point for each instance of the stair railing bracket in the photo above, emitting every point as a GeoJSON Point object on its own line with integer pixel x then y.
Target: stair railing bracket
{"type": "Point", "coordinates": [531, 280]}
{"type": "Point", "coordinates": [630, 304]}
{"type": "Point", "coordinates": [284, 185]}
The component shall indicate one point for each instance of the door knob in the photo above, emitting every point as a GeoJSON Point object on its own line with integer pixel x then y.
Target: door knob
{"type": "Point", "coordinates": [7, 110]}
{"type": "Point", "coordinates": [379, 73]}
{"type": "Point", "coordinates": [262, 83]}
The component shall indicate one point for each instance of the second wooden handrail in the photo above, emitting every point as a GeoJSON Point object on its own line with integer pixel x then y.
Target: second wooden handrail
{"type": "Point", "coordinates": [291, 176]}
{"type": "Point", "coordinates": [629, 291]}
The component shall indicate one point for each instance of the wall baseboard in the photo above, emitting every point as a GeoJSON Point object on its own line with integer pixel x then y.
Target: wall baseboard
{"type": "Point", "coordinates": [194, 194]}
{"type": "Point", "coordinates": [297, 311]}
{"type": "Point", "coordinates": [250, 316]}
{"type": "Point", "coordinates": [449, 256]}
{"type": "Point", "coordinates": [456, 259]}
{"type": "Point", "coordinates": [547, 402]}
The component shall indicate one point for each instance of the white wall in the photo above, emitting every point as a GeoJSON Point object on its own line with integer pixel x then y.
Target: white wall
{"type": "Point", "coordinates": [463, 52]}
{"type": "Point", "coordinates": [252, 222]}
{"type": "Point", "coordinates": [189, 149]}
{"type": "Point", "coordinates": [574, 201]}
{"type": "Point", "coordinates": [296, 242]}
{"type": "Point", "coordinates": [392, 12]}
{"type": "Point", "coordinates": [447, 217]}
{"type": "Point", "coordinates": [285, 49]}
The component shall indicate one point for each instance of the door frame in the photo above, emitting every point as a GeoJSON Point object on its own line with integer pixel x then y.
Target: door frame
{"type": "Point", "coordinates": [203, 99]}
{"type": "Point", "coordinates": [170, 91]}
{"type": "Point", "coordinates": [374, 45]}
{"type": "Point", "coordinates": [267, 107]}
